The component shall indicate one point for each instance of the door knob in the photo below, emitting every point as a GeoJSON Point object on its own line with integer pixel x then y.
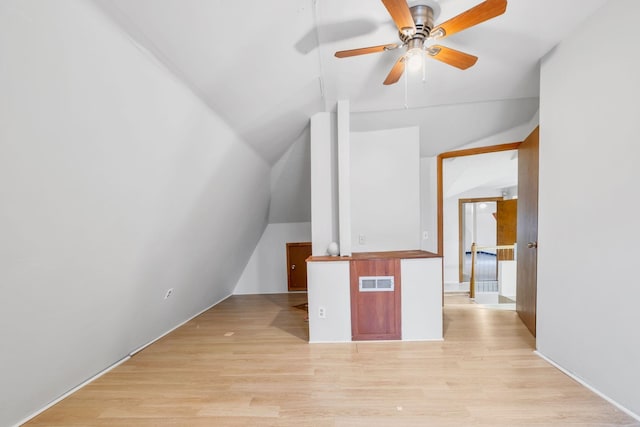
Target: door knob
{"type": "Point", "coordinates": [293, 266]}
{"type": "Point", "coordinates": [532, 245]}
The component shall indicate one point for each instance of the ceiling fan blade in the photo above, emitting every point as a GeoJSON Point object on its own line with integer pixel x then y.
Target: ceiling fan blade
{"type": "Point", "coordinates": [396, 72]}
{"type": "Point", "coordinates": [401, 15]}
{"type": "Point", "coordinates": [474, 16]}
{"type": "Point", "coordinates": [452, 57]}
{"type": "Point", "coordinates": [365, 50]}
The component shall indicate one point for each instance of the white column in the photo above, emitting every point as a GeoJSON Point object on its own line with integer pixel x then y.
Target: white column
{"type": "Point", "coordinates": [324, 200]}
{"type": "Point", "coordinates": [344, 178]}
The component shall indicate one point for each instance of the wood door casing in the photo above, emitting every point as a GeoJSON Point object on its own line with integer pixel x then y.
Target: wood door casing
{"type": "Point", "coordinates": [526, 288]}
{"type": "Point", "coordinates": [297, 254]}
{"type": "Point", "coordinates": [375, 315]}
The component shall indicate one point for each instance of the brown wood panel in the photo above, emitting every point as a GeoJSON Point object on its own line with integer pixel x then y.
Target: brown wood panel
{"type": "Point", "coordinates": [297, 254]}
{"type": "Point", "coordinates": [526, 287]}
{"type": "Point", "coordinates": [506, 226]}
{"type": "Point", "coordinates": [375, 315]}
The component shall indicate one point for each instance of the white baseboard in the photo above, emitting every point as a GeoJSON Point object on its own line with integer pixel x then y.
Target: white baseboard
{"type": "Point", "coordinates": [582, 382]}
{"type": "Point", "coordinates": [73, 390]}
{"type": "Point", "coordinates": [115, 365]}
{"type": "Point", "coordinates": [139, 349]}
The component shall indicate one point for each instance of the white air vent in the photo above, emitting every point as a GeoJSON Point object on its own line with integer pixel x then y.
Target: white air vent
{"type": "Point", "coordinates": [376, 283]}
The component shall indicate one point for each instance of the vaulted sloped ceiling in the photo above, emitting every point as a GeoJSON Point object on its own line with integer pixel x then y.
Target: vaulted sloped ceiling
{"type": "Point", "coordinates": [267, 66]}
{"type": "Point", "coordinates": [239, 57]}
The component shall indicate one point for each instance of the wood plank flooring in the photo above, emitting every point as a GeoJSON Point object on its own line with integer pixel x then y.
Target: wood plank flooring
{"type": "Point", "coordinates": [266, 374]}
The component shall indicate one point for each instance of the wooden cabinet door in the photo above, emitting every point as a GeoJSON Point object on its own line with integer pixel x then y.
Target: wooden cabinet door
{"type": "Point", "coordinates": [297, 253]}
{"type": "Point", "coordinates": [375, 315]}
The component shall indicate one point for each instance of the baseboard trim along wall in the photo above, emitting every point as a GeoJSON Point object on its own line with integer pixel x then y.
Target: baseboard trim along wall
{"type": "Point", "coordinates": [115, 365]}
{"type": "Point", "coordinates": [73, 390]}
{"type": "Point", "coordinates": [582, 382]}
{"type": "Point", "coordinates": [139, 349]}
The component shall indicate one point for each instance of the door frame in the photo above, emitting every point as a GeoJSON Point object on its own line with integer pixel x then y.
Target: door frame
{"type": "Point", "coordinates": [460, 153]}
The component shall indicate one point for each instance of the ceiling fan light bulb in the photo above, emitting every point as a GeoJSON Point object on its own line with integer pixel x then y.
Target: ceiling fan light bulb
{"type": "Point", "coordinates": [414, 59]}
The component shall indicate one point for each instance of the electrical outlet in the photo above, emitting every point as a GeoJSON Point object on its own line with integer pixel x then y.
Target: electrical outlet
{"type": "Point", "coordinates": [169, 293]}
{"type": "Point", "coordinates": [322, 313]}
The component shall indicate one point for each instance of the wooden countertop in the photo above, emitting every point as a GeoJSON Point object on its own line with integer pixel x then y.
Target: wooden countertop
{"type": "Point", "coordinates": [411, 254]}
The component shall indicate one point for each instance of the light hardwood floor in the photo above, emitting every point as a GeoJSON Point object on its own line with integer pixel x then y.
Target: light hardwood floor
{"type": "Point", "coordinates": [266, 374]}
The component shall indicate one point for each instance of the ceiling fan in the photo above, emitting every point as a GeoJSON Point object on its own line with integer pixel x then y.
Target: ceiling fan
{"type": "Point", "coordinates": [415, 27]}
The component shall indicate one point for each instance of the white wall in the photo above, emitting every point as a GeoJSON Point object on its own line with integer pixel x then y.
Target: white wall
{"type": "Point", "coordinates": [344, 177]}
{"type": "Point", "coordinates": [588, 294]}
{"type": "Point", "coordinates": [486, 226]}
{"type": "Point", "coordinates": [291, 183]}
{"type": "Point", "coordinates": [116, 185]}
{"type": "Point", "coordinates": [429, 203]}
{"type": "Point", "coordinates": [515, 134]}
{"type": "Point", "coordinates": [324, 182]}
{"type": "Point", "coordinates": [385, 190]}
{"type": "Point", "coordinates": [266, 271]}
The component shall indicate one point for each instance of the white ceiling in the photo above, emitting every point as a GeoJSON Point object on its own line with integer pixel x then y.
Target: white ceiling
{"type": "Point", "coordinates": [266, 66]}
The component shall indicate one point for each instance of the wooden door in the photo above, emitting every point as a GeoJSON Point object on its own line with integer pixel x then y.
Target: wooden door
{"type": "Point", "coordinates": [506, 227]}
{"type": "Point", "coordinates": [375, 315]}
{"type": "Point", "coordinates": [526, 288]}
{"type": "Point", "coordinates": [297, 253]}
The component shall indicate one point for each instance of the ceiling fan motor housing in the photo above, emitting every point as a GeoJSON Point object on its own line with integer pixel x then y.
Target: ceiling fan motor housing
{"type": "Point", "coordinates": [423, 19]}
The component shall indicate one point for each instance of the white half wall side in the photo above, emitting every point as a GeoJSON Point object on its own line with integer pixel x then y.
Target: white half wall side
{"type": "Point", "coordinates": [587, 315]}
{"type": "Point", "coordinates": [266, 271]}
{"type": "Point", "coordinates": [117, 184]}
{"type": "Point", "coordinates": [328, 284]}
{"type": "Point", "coordinates": [421, 299]}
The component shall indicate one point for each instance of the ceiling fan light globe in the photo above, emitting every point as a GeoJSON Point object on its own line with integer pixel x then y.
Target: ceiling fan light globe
{"type": "Point", "coordinates": [415, 59]}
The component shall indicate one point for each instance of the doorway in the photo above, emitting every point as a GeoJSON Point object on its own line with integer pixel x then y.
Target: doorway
{"type": "Point", "coordinates": [477, 223]}
{"type": "Point", "coordinates": [484, 175]}
{"type": "Point", "coordinates": [526, 252]}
